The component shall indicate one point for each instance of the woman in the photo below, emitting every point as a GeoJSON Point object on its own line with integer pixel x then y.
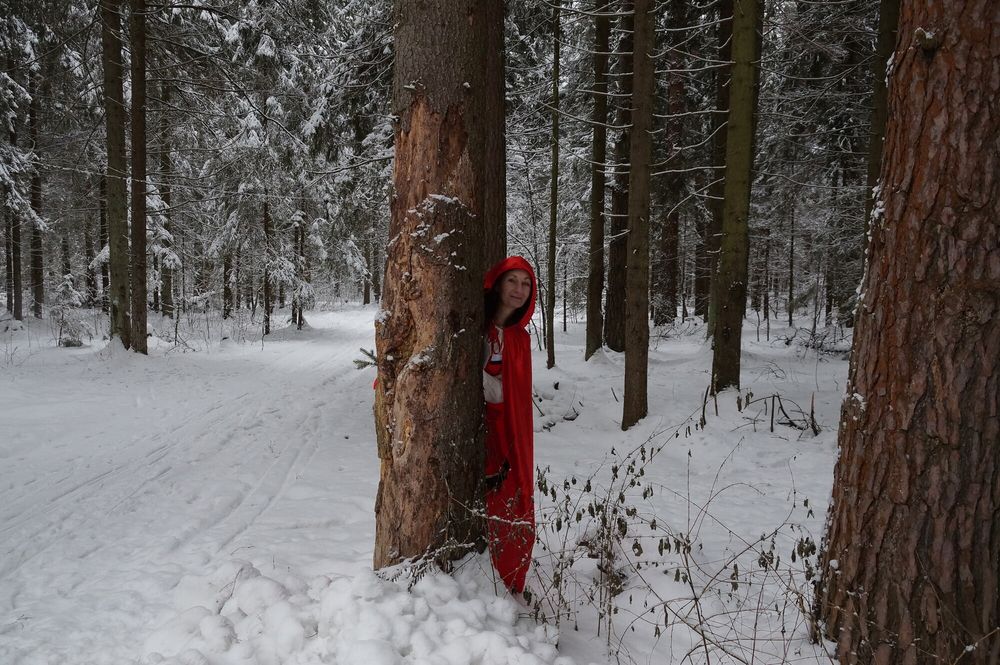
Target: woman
{"type": "Point", "coordinates": [510, 508]}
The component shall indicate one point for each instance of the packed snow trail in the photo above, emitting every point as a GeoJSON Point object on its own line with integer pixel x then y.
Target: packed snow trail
{"type": "Point", "coordinates": [122, 474]}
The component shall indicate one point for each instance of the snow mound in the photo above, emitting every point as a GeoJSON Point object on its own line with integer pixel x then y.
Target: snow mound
{"type": "Point", "coordinates": [236, 615]}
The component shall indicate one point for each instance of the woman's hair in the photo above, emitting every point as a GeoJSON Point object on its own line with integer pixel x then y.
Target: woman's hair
{"type": "Point", "coordinates": [491, 301]}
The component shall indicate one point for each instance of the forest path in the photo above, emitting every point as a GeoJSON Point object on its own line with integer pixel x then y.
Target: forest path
{"type": "Point", "coordinates": [122, 475]}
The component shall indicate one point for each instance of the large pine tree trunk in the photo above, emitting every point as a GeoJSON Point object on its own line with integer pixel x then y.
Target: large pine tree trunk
{"type": "Point", "coordinates": [550, 281]}
{"type": "Point", "coordinates": [595, 275]}
{"type": "Point", "coordinates": [729, 287]}
{"type": "Point", "coordinates": [428, 401]}
{"type": "Point", "coordinates": [614, 307]}
{"type": "Point", "coordinates": [911, 561]}
{"type": "Point", "coordinates": [114, 115]}
{"type": "Point", "coordinates": [137, 34]}
{"type": "Point", "coordinates": [634, 404]}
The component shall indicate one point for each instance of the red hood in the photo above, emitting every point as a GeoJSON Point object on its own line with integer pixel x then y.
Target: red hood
{"type": "Point", "coordinates": [514, 263]}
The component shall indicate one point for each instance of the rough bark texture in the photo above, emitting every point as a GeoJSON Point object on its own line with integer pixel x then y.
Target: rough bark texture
{"type": "Point", "coordinates": [268, 291]}
{"type": "Point", "coordinates": [614, 307]}
{"type": "Point", "coordinates": [550, 273]}
{"type": "Point", "coordinates": [595, 276]}
{"type": "Point", "coordinates": [729, 287]}
{"type": "Point", "coordinates": [716, 191]}
{"type": "Point", "coordinates": [114, 115]}
{"type": "Point", "coordinates": [915, 519]}
{"type": "Point", "coordinates": [428, 401]}
{"type": "Point", "coordinates": [495, 116]}
{"type": "Point", "coordinates": [137, 36]}
{"type": "Point", "coordinates": [634, 403]}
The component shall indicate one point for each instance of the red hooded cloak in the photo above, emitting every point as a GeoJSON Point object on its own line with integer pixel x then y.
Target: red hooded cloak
{"type": "Point", "coordinates": [510, 508]}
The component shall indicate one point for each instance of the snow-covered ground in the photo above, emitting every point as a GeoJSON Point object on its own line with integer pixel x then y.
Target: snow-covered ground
{"type": "Point", "coordinates": [215, 506]}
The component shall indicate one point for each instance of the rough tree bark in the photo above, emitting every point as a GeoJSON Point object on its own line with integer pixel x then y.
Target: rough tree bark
{"type": "Point", "coordinates": [550, 273]}
{"type": "Point", "coordinates": [114, 115]}
{"type": "Point", "coordinates": [595, 275]}
{"type": "Point", "coordinates": [634, 403]}
{"type": "Point", "coordinates": [729, 286]}
{"type": "Point", "coordinates": [495, 115]}
{"type": "Point", "coordinates": [428, 400]}
{"type": "Point", "coordinates": [709, 256]}
{"type": "Point", "coordinates": [137, 36]}
{"type": "Point", "coordinates": [911, 560]}
{"type": "Point", "coordinates": [614, 303]}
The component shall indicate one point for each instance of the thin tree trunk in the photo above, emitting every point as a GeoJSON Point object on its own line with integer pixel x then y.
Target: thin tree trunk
{"type": "Point", "coordinates": [227, 284]}
{"type": "Point", "coordinates": [88, 256]}
{"type": "Point", "coordinates": [495, 158]}
{"type": "Point", "coordinates": [720, 134]}
{"type": "Point", "coordinates": [102, 239]}
{"type": "Point", "coordinates": [114, 115]}
{"type": "Point", "coordinates": [910, 567]}
{"type": "Point", "coordinates": [595, 275]}
{"type": "Point", "coordinates": [8, 255]}
{"type": "Point", "coordinates": [137, 34]}
{"type": "Point", "coordinates": [550, 281]}
{"type": "Point", "coordinates": [432, 467]}
{"type": "Point", "coordinates": [36, 256]}
{"type": "Point", "coordinates": [614, 307]}
{"type": "Point", "coordinates": [634, 406]}
{"type": "Point", "coordinates": [791, 262]}
{"type": "Point", "coordinates": [17, 285]}
{"type": "Point", "coordinates": [167, 268]}
{"type": "Point", "coordinates": [730, 286]}
{"type": "Point", "coordinates": [267, 295]}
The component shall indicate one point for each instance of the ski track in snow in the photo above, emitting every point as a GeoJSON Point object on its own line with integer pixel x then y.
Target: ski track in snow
{"type": "Point", "coordinates": [85, 530]}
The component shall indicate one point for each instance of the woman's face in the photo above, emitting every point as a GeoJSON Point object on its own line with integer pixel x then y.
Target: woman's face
{"type": "Point", "coordinates": [515, 288]}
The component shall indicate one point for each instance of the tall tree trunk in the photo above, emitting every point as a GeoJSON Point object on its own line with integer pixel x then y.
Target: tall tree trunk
{"type": "Point", "coordinates": [720, 137]}
{"type": "Point", "coordinates": [102, 239]}
{"type": "Point", "coordinates": [910, 569]}
{"type": "Point", "coordinates": [267, 288]}
{"type": "Point", "coordinates": [665, 277]}
{"type": "Point", "coordinates": [791, 262]}
{"type": "Point", "coordinates": [37, 255]}
{"type": "Point", "coordinates": [17, 285]}
{"type": "Point", "coordinates": [888, 19]}
{"type": "Point", "coordinates": [166, 265]}
{"type": "Point", "coordinates": [634, 404]}
{"type": "Point", "coordinates": [550, 281]}
{"type": "Point", "coordinates": [227, 284]}
{"type": "Point", "coordinates": [595, 275]}
{"type": "Point", "coordinates": [137, 33]}
{"type": "Point", "coordinates": [8, 256]}
{"type": "Point", "coordinates": [88, 256]}
{"type": "Point", "coordinates": [614, 307]}
{"type": "Point", "coordinates": [366, 296]}
{"type": "Point", "coordinates": [114, 116]}
{"type": "Point", "coordinates": [729, 289]}
{"type": "Point", "coordinates": [495, 158]}
{"type": "Point", "coordinates": [432, 466]}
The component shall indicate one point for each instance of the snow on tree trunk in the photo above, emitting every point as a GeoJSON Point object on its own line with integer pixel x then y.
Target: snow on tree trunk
{"type": "Point", "coordinates": [428, 400]}
{"type": "Point", "coordinates": [911, 560]}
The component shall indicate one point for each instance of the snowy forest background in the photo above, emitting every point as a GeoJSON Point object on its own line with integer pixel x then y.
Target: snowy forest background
{"type": "Point", "coordinates": [269, 141]}
{"type": "Point", "coordinates": [791, 457]}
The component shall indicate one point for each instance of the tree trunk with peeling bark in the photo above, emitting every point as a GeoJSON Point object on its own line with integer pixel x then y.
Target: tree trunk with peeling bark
{"type": "Point", "coordinates": [428, 399]}
{"type": "Point", "coordinates": [910, 570]}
